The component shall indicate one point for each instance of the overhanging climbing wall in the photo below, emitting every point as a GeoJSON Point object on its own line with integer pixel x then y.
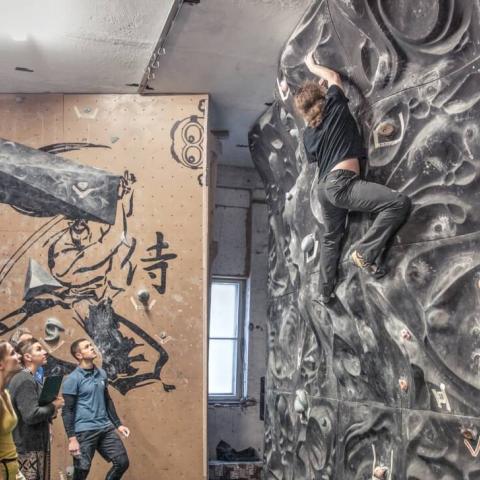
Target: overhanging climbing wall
{"type": "Point", "coordinates": [385, 383]}
{"type": "Point", "coordinates": [103, 197]}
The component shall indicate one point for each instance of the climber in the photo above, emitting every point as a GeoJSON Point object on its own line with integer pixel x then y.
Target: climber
{"type": "Point", "coordinates": [332, 140]}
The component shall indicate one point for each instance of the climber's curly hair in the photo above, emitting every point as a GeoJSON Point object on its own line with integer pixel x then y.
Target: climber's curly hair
{"type": "Point", "coordinates": [310, 102]}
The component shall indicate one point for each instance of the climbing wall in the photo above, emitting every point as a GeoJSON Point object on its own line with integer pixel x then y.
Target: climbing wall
{"type": "Point", "coordinates": [103, 235]}
{"type": "Point", "coordinates": [384, 383]}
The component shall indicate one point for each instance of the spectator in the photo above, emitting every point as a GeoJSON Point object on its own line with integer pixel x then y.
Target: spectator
{"type": "Point", "coordinates": [90, 418]}
{"type": "Point", "coordinates": [9, 366]}
{"type": "Point", "coordinates": [32, 434]}
{"type": "Point", "coordinates": [18, 336]}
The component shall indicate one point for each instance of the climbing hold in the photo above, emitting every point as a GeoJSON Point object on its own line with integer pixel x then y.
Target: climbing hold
{"type": "Point", "coordinates": [386, 129]}
{"type": "Point", "coordinates": [403, 384]}
{"type": "Point", "coordinates": [383, 135]}
{"type": "Point", "coordinates": [38, 281]}
{"type": "Point", "coordinates": [308, 243]}
{"type": "Point", "coordinates": [53, 329]}
{"type": "Point", "coordinates": [301, 401]}
{"type": "Point", "coordinates": [283, 89]}
{"type": "Point", "coordinates": [476, 357]}
{"type": "Point", "coordinates": [352, 365]}
{"type": "Point", "coordinates": [470, 433]}
{"type": "Point", "coordinates": [406, 334]}
{"type": "Point", "coordinates": [277, 144]}
{"type": "Point", "coordinates": [380, 473]}
{"type": "Point", "coordinates": [143, 296]}
{"type": "Point", "coordinates": [302, 404]}
{"type": "Point", "coordinates": [442, 398]}
{"type": "Point", "coordinates": [475, 332]}
{"type": "Point", "coordinates": [309, 247]}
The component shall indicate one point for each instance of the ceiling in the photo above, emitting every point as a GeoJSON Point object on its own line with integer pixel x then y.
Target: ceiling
{"type": "Point", "coordinates": [228, 48]}
{"type": "Point", "coordinates": [95, 46]}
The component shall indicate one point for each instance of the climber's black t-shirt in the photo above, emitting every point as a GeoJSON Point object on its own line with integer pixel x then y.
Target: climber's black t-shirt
{"type": "Point", "coordinates": [337, 137]}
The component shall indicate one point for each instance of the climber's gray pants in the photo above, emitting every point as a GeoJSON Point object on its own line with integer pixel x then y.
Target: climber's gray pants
{"type": "Point", "coordinates": [342, 191]}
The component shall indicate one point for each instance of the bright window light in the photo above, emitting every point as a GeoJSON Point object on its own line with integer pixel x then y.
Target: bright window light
{"type": "Point", "coordinates": [225, 367]}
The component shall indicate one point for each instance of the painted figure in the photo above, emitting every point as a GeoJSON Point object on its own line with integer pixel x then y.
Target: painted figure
{"type": "Point", "coordinates": [86, 244]}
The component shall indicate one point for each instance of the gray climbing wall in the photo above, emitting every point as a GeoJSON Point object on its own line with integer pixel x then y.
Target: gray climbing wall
{"type": "Point", "coordinates": [385, 383]}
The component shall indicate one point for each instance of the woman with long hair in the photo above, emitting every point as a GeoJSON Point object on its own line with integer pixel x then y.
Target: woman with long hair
{"type": "Point", "coordinates": [9, 366]}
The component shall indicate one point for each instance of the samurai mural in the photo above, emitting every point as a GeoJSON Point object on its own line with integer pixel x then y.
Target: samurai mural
{"type": "Point", "coordinates": [85, 244]}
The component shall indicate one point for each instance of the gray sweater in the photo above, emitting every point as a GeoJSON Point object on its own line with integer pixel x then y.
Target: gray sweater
{"type": "Point", "coordinates": [32, 432]}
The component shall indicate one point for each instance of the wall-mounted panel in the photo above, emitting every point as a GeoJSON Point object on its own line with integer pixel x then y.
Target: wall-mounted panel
{"type": "Point", "coordinates": [103, 196]}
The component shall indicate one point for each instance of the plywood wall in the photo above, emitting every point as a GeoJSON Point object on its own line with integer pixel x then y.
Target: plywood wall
{"type": "Point", "coordinates": [155, 149]}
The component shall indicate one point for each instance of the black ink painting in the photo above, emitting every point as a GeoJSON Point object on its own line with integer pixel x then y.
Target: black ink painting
{"type": "Point", "coordinates": [84, 239]}
{"type": "Point", "coordinates": [187, 137]}
{"type": "Point", "coordinates": [157, 264]}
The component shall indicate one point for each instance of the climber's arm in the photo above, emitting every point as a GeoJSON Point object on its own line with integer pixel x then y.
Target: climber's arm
{"type": "Point", "coordinates": [325, 73]}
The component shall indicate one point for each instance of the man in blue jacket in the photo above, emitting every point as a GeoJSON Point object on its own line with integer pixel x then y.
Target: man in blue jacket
{"type": "Point", "coordinates": [89, 416]}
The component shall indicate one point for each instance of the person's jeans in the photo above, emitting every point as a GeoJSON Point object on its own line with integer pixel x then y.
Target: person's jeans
{"type": "Point", "coordinates": [342, 191]}
{"type": "Point", "coordinates": [107, 442]}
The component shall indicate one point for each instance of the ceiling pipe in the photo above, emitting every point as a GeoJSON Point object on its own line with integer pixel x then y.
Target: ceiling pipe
{"type": "Point", "coordinates": [159, 49]}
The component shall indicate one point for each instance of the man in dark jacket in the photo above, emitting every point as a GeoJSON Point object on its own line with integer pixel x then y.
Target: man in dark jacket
{"type": "Point", "coordinates": [32, 434]}
{"type": "Point", "coordinates": [18, 336]}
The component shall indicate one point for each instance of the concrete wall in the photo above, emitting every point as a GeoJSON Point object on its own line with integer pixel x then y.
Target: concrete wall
{"type": "Point", "coordinates": [241, 245]}
{"type": "Point", "coordinates": [106, 198]}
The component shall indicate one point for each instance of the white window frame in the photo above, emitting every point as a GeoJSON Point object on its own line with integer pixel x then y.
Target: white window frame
{"type": "Point", "coordinates": [240, 360]}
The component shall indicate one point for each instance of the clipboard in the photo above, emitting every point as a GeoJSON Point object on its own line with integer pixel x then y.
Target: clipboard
{"type": "Point", "coordinates": [50, 389]}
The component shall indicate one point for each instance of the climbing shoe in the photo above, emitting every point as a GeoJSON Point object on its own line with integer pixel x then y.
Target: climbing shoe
{"type": "Point", "coordinates": [377, 271]}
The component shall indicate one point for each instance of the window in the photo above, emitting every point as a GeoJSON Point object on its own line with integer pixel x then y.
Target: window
{"type": "Point", "coordinates": [226, 339]}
